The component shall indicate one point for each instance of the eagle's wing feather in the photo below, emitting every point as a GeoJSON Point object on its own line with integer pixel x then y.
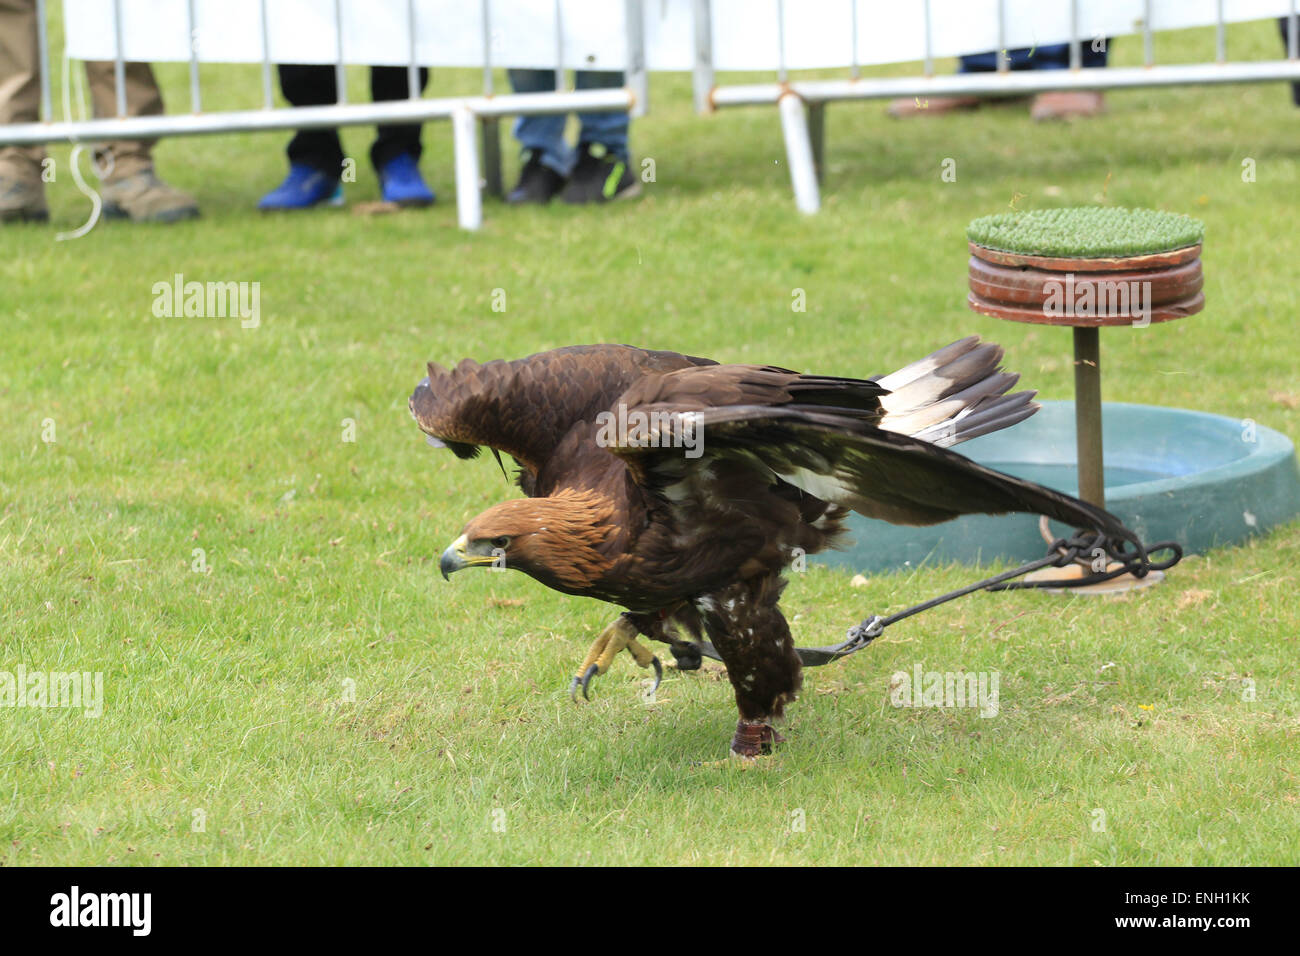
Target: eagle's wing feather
{"type": "Point", "coordinates": [724, 385]}
{"type": "Point", "coordinates": [525, 407]}
{"type": "Point", "coordinates": [838, 456]}
{"type": "Point", "coordinates": [954, 394]}
{"type": "Point", "coordinates": [875, 446]}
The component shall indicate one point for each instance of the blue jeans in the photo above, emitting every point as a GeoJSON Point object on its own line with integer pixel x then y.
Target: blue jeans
{"type": "Point", "coordinates": [545, 134]}
{"type": "Point", "coordinates": [1054, 57]}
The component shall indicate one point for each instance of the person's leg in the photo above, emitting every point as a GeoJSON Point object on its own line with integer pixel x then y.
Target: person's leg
{"type": "Point", "coordinates": [143, 98]}
{"type": "Point", "coordinates": [547, 157]}
{"type": "Point", "coordinates": [131, 189]}
{"type": "Point", "coordinates": [541, 135]}
{"type": "Point", "coordinates": [315, 155]}
{"type": "Point", "coordinates": [22, 193]}
{"type": "Point", "coordinates": [393, 83]}
{"type": "Point", "coordinates": [1051, 57]}
{"type": "Point", "coordinates": [1095, 59]}
{"type": "Point", "coordinates": [608, 129]}
{"type": "Point", "coordinates": [1282, 23]}
{"type": "Point", "coordinates": [396, 150]}
{"type": "Point", "coordinates": [312, 84]}
{"type": "Point", "coordinates": [1056, 56]}
{"type": "Point", "coordinates": [1021, 58]}
{"type": "Point", "coordinates": [978, 62]}
{"type": "Point", "coordinates": [603, 168]}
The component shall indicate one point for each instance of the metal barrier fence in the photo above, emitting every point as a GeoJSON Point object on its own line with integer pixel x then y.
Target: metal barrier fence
{"type": "Point", "coordinates": [689, 34]}
{"type": "Point", "coordinates": [464, 112]}
{"type": "Point", "coordinates": [802, 103]}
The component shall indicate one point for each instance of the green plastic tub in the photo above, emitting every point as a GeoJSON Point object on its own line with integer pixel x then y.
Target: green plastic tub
{"type": "Point", "coordinates": [1199, 479]}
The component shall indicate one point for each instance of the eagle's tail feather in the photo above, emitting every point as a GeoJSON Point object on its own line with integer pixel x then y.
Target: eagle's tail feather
{"type": "Point", "coordinates": [953, 395]}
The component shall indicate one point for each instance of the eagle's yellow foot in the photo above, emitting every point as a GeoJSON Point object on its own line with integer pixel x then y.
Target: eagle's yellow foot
{"type": "Point", "coordinates": [619, 635]}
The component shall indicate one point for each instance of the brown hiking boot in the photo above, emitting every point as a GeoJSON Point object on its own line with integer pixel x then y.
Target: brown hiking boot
{"type": "Point", "coordinates": [1067, 104]}
{"type": "Point", "coordinates": [931, 106]}
{"type": "Point", "coordinates": [22, 194]}
{"type": "Point", "coordinates": [142, 197]}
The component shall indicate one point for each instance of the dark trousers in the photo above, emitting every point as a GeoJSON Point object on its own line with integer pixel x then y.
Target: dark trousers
{"type": "Point", "coordinates": [1053, 57]}
{"type": "Point", "coordinates": [314, 85]}
{"type": "Point", "coordinates": [1282, 23]}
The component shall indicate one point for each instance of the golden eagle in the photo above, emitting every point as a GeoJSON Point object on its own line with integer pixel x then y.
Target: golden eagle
{"type": "Point", "coordinates": [680, 489]}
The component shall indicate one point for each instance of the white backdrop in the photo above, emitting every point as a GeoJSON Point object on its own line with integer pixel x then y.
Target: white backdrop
{"type": "Point", "coordinates": [818, 33]}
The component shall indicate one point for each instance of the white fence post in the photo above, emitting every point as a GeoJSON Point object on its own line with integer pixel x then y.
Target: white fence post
{"type": "Point", "coordinates": [469, 201]}
{"type": "Point", "coordinates": [635, 77]}
{"type": "Point", "coordinates": [799, 154]}
{"type": "Point", "coordinates": [703, 65]}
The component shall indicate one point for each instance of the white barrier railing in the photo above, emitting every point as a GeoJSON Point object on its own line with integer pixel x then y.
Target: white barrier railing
{"type": "Point", "coordinates": [410, 33]}
{"type": "Point", "coordinates": [846, 38]}
{"type": "Point", "coordinates": [706, 37]}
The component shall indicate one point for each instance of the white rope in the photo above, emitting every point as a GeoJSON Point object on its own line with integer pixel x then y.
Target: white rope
{"type": "Point", "coordinates": [97, 204]}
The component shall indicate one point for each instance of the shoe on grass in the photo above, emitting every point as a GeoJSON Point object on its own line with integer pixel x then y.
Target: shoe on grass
{"type": "Point", "coordinates": [22, 194]}
{"type": "Point", "coordinates": [538, 183]}
{"type": "Point", "coordinates": [143, 197]}
{"type": "Point", "coordinates": [304, 187]}
{"type": "Point", "coordinates": [401, 182]}
{"type": "Point", "coordinates": [600, 176]}
{"type": "Point", "coordinates": [1067, 104]}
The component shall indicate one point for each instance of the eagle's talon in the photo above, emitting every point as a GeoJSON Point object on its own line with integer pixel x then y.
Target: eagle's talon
{"type": "Point", "coordinates": [583, 680]}
{"type": "Point", "coordinates": [591, 672]}
{"type": "Point", "coordinates": [619, 636]}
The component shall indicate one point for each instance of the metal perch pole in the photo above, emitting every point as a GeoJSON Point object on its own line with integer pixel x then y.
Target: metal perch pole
{"type": "Point", "coordinates": [1087, 414]}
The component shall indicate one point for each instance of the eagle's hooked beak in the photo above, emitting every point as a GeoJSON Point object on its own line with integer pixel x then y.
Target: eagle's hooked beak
{"type": "Point", "coordinates": [461, 554]}
{"type": "Point", "coordinates": [453, 559]}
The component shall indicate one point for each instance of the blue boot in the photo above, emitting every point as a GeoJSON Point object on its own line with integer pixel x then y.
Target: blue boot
{"type": "Point", "coordinates": [402, 184]}
{"type": "Point", "coordinates": [304, 187]}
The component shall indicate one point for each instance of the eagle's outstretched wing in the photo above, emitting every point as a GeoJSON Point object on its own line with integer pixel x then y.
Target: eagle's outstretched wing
{"type": "Point", "coordinates": [950, 396]}
{"type": "Point", "coordinates": [875, 447]}
{"type": "Point", "coordinates": [849, 462]}
{"type": "Point", "coordinates": [525, 407]}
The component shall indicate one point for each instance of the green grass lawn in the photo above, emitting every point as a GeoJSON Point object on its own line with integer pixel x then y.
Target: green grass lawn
{"type": "Point", "coordinates": [321, 695]}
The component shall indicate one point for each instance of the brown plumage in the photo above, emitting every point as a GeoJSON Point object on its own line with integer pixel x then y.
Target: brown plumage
{"type": "Point", "coordinates": [679, 489]}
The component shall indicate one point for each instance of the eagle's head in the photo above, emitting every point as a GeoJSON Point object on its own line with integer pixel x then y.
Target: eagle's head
{"type": "Point", "coordinates": [558, 540]}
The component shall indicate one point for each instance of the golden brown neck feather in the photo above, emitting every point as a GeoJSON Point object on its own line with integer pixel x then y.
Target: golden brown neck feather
{"type": "Point", "coordinates": [557, 537]}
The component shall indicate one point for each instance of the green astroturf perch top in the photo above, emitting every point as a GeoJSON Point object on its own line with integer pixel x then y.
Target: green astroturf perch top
{"type": "Point", "coordinates": [1086, 232]}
